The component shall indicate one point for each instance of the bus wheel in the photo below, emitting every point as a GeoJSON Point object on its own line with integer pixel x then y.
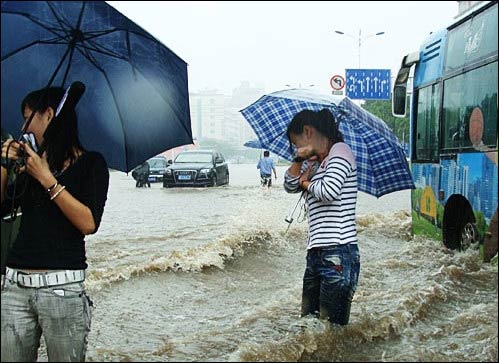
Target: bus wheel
{"type": "Point", "coordinates": [458, 225]}
{"type": "Point", "coordinates": [460, 235]}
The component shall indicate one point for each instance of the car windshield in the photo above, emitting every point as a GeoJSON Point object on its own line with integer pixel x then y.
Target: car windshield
{"type": "Point", "coordinates": [157, 163]}
{"type": "Point", "coordinates": [193, 158]}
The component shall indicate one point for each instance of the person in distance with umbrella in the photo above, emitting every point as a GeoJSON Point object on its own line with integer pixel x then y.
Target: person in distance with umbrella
{"type": "Point", "coordinates": [62, 192]}
{"type": "Point", "coordinates": [325, 169]}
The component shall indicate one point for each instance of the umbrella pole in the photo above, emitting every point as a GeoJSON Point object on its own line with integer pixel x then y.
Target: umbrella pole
{"type": "Point", "coordinates": [28, 122]}
{"type": "Point", "coordinates": [289, 219]}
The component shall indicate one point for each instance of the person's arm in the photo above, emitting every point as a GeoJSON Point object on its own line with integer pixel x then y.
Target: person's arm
{"type": "Point", "coordinates": [292, 176]}
{"type": "Point", "coordinates": [329, 187]}
{"type": "Point", "coordinates": [4, 182]}
{"type": "Point", "coordinates": [273, 168]}
{"type": "Point", "coordinates": [75, 211]}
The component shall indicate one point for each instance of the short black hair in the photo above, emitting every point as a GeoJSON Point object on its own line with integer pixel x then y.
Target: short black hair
{"type": "Point", "coordinates": [266, 153]}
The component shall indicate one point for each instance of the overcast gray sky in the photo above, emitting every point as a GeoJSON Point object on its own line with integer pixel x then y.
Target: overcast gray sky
{"type": "Point", "coordinates": [272, 44]}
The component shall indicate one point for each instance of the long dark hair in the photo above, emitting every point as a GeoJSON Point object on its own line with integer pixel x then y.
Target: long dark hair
{"type": "Point", "coordinates": [323, 121]}
{"type": "Point", "coordinates": [61, 140]}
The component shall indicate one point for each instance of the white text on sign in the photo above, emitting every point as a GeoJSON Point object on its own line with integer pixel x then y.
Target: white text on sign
{"type": "Point", "coordinates": [368, 84]}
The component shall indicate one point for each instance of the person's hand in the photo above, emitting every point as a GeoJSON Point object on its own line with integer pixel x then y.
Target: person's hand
{"type": "Point", "coordinates": [305, 176]}
{"type": "Point", "coordinates": [38, 167]}
{"type": "Point", "coordinates": [13, 147]}
{"type": "Point", "coordinates": [306, 152]}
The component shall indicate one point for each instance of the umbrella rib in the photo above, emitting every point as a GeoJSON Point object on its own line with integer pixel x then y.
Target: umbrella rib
{"type": "Point", "coordinates": [98, 33]}
{"type": "Point", "coordinates": [8, 55]}
{"type": "Point", "coordinates": [129, 48]}
{"type": "Point", "coordinates": [72, 44]}
{"type": "Point", "coordinates": [95, 34]}
{"type": "Point", "coordinates": [104, 50]}
{"type": "Point", "coordinates": [36, 21]}
{"type": "Point", "coordinates": [80, 16]}
{"type": "Point", "coordinates": [63, 25]}
{"type": "Point", "coordinates": [72, 50]}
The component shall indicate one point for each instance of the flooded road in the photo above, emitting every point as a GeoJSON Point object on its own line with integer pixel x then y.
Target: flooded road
{"type": "Point", "coordinates": [210, 274]}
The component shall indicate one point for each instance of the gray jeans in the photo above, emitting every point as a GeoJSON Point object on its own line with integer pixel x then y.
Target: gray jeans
{"type": "Point", "coordinates": [62, 313]}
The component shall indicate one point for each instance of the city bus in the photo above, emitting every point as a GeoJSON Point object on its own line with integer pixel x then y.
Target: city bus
{"type": "Point", "coordinates": [452, 103]}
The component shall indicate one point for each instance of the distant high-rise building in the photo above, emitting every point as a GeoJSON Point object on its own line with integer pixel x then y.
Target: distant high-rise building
{"type": "Point", "coordinates": [216, 116]}
{"type": "Point", "coordinates": [208, 114]}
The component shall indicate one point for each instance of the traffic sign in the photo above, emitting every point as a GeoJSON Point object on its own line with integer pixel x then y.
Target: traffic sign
{"type": "Point", "coordinates": [337, 82]}
{"type": "Point", "coordinates": [368, 84]}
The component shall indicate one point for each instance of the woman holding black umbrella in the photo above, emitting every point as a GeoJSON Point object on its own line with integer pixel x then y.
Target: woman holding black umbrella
{"type": "Point", "coordinates": [62, 191]}
{"type": "Point", "coordinates": [325, 169]}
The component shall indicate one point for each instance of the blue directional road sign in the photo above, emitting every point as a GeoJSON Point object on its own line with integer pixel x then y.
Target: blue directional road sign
{"type": "Point", "coordinates": [368, 84]}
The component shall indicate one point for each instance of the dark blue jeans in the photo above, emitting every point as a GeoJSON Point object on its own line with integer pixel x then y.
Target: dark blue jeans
{"type": "Point", "coordinates": [330, 282]}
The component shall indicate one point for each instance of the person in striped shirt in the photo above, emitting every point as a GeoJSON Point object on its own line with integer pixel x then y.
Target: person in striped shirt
{"type": "Point", "coordinates": [324, 168]}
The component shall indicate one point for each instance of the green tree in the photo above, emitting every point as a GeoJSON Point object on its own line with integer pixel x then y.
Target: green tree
{"type": "Point", "coordinates": [383, 110]}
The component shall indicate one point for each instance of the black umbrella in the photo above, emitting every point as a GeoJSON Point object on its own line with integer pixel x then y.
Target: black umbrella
{"type": "Point", "coordinates": [136, 103]}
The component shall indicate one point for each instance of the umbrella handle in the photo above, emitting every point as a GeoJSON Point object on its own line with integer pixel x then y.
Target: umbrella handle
{"type": "Point", "coordinates": [289, 218]}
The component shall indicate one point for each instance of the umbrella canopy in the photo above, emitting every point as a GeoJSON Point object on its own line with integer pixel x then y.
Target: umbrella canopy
{"type": "Point", "coordinates": [255, 144]}
{"type": "Point", "coordinates": [136, 103]}
{"type": "Point", "coordinates": [381, 164]}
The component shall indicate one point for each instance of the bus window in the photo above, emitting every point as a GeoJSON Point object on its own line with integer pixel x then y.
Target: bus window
{"type": "Point", "coordinates": [462, 95]}
{"type": "Point", "coordinates": [472, 40]}
{"type": "Point", "coordinates": [426, 124]}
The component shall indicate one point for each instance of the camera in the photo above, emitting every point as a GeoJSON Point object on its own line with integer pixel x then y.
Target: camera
{"type": "Point", "coordinates": [28, 138]}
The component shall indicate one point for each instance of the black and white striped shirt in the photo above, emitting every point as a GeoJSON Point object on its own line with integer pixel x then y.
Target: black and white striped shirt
{"type": "Point", "coordinates": [331, 198]}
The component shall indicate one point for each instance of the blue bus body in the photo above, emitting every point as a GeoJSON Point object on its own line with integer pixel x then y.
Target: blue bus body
{"type": "Point", "coordinates": [453, 133]}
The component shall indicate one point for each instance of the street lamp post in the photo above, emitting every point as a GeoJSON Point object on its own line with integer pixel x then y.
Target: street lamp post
{"type": "Point", "coordinates": [360, 38]}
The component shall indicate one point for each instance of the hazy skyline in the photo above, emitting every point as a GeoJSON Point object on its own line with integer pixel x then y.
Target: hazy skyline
{"type": "Point", "coordinates": [274, 44]}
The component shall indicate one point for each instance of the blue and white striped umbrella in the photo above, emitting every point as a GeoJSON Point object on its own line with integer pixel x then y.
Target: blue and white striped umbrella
{"type": "Point", "coordinates": [381, 164]}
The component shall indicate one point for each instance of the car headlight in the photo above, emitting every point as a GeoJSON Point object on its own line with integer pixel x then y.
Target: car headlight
{"type": "Point", "coordinates": [205, 171]}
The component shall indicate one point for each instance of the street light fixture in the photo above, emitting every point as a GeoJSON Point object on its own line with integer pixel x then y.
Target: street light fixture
{"type": "Point", "coordinates": [299, 85]}
{"type": "Point", "coordinates": [360, 38]}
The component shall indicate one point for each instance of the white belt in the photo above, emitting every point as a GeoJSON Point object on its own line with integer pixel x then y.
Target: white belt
{"type": "Point", "coordinates": [44, 279]}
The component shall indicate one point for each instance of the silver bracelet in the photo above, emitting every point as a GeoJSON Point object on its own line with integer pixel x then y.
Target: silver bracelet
{"type": "Point", "coordinates": [58, 192]}
{"type": "Point", "coordinates": [52, 187]}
